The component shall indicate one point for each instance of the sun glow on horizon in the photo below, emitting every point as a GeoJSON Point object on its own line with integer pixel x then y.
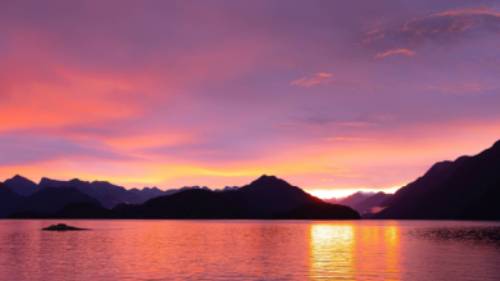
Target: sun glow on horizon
{"type": "Point", "coordinates": [338, 193]}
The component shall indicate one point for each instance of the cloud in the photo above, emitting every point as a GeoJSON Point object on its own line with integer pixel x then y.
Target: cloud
{"type": "Point", "coordinates": [395, 52]}
{"type": "Point", "coordinates": [464, 88]}
{"type": "Point", "coordinates": [481, 11]}
{"type": "Point", "coordinates": [313, 80]}
{"type": "Point", "coordinates": [442, 27]}
{"type": "Point", "coordinates": [23, 148]}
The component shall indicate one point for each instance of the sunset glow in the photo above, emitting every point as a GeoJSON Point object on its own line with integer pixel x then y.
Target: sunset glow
{"type": "Point", "coordinates": [332, 97]}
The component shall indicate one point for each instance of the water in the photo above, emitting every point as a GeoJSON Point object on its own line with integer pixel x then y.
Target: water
{"type": "Point", "coordinates": [250, 250]}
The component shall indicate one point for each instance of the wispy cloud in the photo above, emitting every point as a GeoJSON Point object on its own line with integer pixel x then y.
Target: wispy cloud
{"type": "Point", "coordinates": [464, 88]}
{"type": "Point", "coordinates": [395, 52]}
{"type": "Point", "coordinates": [313, 80]}
{"type": "Point", "coordinates": [445, 26]}
{"type": "Point", "coordinates": [27, 148]}
{"type": "Point", "coordinates": [482, 11]}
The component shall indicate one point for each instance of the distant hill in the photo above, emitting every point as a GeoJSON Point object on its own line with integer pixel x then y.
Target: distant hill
{"type": "Point", "coordinates": [366, 203]}
{"type": "Point", "coordinates": [467, 188]}
{"type": "Point", "coordinates": [23, 197]}
{"type": "Point", "coordinates": [108, 195]}
{"type": "Point", "coordinates": [265, 198]}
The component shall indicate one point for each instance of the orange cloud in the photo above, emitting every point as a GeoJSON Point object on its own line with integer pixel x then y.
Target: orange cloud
{"type": "Point", "coordinates": [71, 97]}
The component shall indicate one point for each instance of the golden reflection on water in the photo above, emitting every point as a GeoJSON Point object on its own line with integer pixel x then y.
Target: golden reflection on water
{"type": "Point", "coordinates": [331, 251]}
{"type": "Point", "coordinates": [345, 251]}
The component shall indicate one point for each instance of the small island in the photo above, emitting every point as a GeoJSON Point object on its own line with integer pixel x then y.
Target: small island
{"type": "Point", "coordinates": [62, 227]}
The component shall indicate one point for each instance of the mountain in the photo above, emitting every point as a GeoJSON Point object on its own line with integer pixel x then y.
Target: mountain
{"type": "Point", "coordinates": [50, 200]}
{"type": "Point", "coordinates": [108, 195]}
{"type": "Point", "coordinates": [366, 203]}
{"type": "Point", "coordinates": [146, 193]}
{"type": "Point", "coordinates": [320, 211]}
{"type": "Point", "coordinates": [271, 195]}
{"type": "Point", "coordinates": [9, 200]}
{"type": "Point", "coordinates": [21, 185]}
{"type": "Point", "coordinates": [82, 211]}
{"type": "Point", "coordinates": [265, 198]}
{"type": "Point", "coordinates": [192, 203]}
{"type": "Point", "coordinates": [467, 188]}
{"type": "Point", "coordinates": [373, 204]}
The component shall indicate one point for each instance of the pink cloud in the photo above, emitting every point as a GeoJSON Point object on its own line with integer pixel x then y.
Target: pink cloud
{"type": "Point", "coordinates": [463, 88]}
{"type": "Point", "coordinates": [480, 11]}
{"type": "Point", "coordinates": [395, 52]}
{"type": "Point", "coordinates": [313, 80]}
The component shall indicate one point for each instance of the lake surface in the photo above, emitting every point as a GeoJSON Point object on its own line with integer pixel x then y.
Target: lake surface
{"type": "Point", "coordinates": [250, 250]}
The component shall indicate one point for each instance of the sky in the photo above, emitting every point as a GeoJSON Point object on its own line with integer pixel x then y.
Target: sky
{"type": "Point", "coordinates": [333, 96]}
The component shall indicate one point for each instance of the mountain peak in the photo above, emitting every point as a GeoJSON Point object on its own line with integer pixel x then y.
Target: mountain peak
{"type": "Point", "coordinates": [19, 178]}
{"type": "Point", "coordinates": [44, 180]}
{"type": "Point", "coordinates": [77, 180]}
{"type": "Point", "coordinates": [269, 180]}
{"type": "Point", "coordinates": [21, 185]}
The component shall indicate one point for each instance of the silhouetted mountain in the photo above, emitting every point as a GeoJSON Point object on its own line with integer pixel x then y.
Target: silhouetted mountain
{"type": "Point", "coordinates": [266, 197]}
{"type": "Point", "coordinates": [366, 203]}
{"type": "Point", "coordinates": [271, 195]}
{"type": "Point", "coordinates": [21, 185]}
{"type": "Point", "coordinates": [83, 211]}
{"type": "Point", "coordinates": [320, 210]}
{"type": "Point", "coordinates": [146, 193]}
{"type": "Point", "coordinates": [192, 203]}
{"type": "Point", "coordinates": [51, 200]}
{"type": "Point", "coordinates": [108, 195]}
{"type": "Point", "coordinates": [228, 188]}
{"type": "Point", "coordinates": [467, 188]}
{"type": "Point", "coordinates": [9, 201]}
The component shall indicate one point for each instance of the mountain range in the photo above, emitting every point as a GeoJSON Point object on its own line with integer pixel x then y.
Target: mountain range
{"type": "Point", "coordinates": [108, 195]}
{"type": "Point", "coordinates": [467, 188]}
{"type": "Point", "coordinates": [267, 197]}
